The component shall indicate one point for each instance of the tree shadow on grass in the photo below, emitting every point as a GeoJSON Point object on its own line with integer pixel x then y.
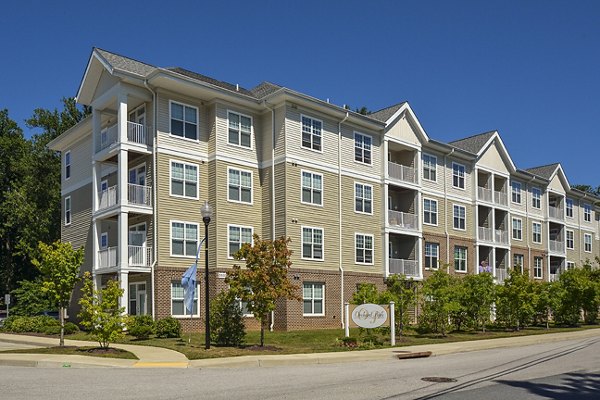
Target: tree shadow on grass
{"type": "Point", "coordinates": [580, 386]}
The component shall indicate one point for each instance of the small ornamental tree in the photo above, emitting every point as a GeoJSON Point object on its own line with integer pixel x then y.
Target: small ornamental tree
{"type": "Point", "coordinates": [403, 292]}
{"type": "Point", "coordinates": [438, 302]}
{"type": "Point", "coordinates": [264, 279]}
{"type": "Point", "coordinates": [368, 293]}
{"type": "Point", "coordinates": [514, 300]}
{"type": "Point", "coordinates": [100, 311]}
{"type": "Point", "coordinates": [31, 299]}
{"type": "Point", "coordinates": [545, 300]}
{"type": "Point", "coordinates": [478, 297]}
{"type": "Point", "coordinates": [59, 264]}
{"type": "Point", "coordinates": [227, 320]}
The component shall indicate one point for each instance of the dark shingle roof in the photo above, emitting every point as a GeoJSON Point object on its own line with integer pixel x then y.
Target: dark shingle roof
{"type": "Point", "coordinates": [264, 89]}
{"type": "Point", "coordinates": [212, 81]}
{"type": "Point", "coordinates": [545, 171]}
{"type": "Point", "coordinates": [126, 64]}
{"type": "Point", "coordinates": [473, 144]}
{"type": "Point", "coordinates": [386, 113]}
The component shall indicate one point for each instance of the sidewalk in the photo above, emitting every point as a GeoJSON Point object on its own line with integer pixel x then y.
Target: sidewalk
{"type": "Point", "coordinates": [156, 357]}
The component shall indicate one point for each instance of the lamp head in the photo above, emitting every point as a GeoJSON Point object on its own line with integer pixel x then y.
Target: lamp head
{"type": "Point", "coordinates": [206, 210]}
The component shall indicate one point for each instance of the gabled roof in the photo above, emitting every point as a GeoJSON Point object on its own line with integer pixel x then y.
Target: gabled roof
{"type": "Point", "coordinates": [212, 81]}
{"type": "Point", "coordinates": [125, 64]}
{"type": "Point", "coordinates": [544, 171]}
{"type": "Point", "coordinates": [473, 144]}
{"type": "Point", "coordinates": [385, 114]}
{"type": "Point", "coordinates": [264, 89]}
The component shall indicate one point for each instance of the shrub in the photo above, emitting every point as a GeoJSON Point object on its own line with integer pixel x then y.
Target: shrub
{"type": "Point", "coordinates": [37, 324]}
{"type": "Point", "coordinates": [71, 328]}
{"type": "Point", "coordinates": [168, 327]}
{"type": "Point", "coordinates": [141, 326]}
{"type": "Point", "coordinates": [51, 330]}
{"type": "Point", "coordinates": [350, 342]}
{"type": "Point", "coordinates": [226, 320]}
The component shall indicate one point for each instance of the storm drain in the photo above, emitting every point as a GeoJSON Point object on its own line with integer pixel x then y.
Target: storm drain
{"type": "Point", "coordinates": [438, 379]}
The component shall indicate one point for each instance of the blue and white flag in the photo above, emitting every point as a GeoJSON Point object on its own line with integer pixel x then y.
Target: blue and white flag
{"type": "Point", "coordinates": [189, 287]}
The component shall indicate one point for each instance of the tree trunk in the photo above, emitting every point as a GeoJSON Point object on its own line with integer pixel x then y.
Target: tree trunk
{"type": "Point", "coordinates": [61, 318]}
{"type": "Point", "coordinates": [262, 331]}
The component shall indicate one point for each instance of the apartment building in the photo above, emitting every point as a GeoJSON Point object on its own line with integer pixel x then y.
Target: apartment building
{"type": "Point", "coordinates": [360, 196]}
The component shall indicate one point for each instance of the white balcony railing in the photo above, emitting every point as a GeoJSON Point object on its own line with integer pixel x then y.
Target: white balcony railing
{"type": "Point", "coordinates": [108, 198]}
{"type": "Point", "coordinates": [403, 267]}
{"type": "Point", "coordinates": [501, 236]}
{"type": "Point", "coordinates": [553, 277]}
{"type": "Point", "coordinates": [484, 194]}
{"type": "Point", "coordinates": [485, 234]}
{"type": "Point", "coordinates": [501, 198]}
{"type": "Point", "coordinates": [402, 219]}
{"type": "Point", "coordinates": [557, 246]}
{"type": "Point", "coordinates": [139, 195]}
{"type": "Point", "coordinates": [108, 137]}
{"type": "Point", "coordinates": [402, 172]}
{"type": "Point", "coordinates": [107, 258]}
{"type": "Point", "coordinates": [140, 256]}
{"type": "Point", "coordinates": [556, 213]}
{"type": "Point", "coordinates": [501, 274]}
{"type": "Point", "coordinates": [136, 133]}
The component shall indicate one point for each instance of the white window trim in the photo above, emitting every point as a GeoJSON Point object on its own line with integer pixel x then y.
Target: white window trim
{"type": "Point", "coordinates": [541, 268]}
{"type": "Point", "coordinates": [171, 162]}
{"type": "Point", "coordinates": [465, 209]}
{"type": "Point", "coordinates": [533, 198]}
{"type": "Point", "coordinates": [197, 140]}
{"type": "Point", "coordinates": [464, 176]}
{"type": "Point", "coordinates": [322, 128]}
{"type": "Point", "coordinates": [171, 237]}
{"type": "Point", "coordinates": [184, 316]}
{"type": "Point", "coordinates": [460, 271]}
{"type": "Point", "coordinates": [68, 166]}
{"type": "Point", "coordinates": [302, 171]}
{"type": "Point", "coordinates": [434, 164]}
{"type": "Point", "coordinates": [313, 307]}
{"type": "Point", "coordinates": [302, 243]}
{"type": "Point", "coordinates": [364, 185]}
{"type": "Point", "coordinates": [241, 227]}
{"type": "Point", "coordinates": [522, 256]}
{"type": "Point", "coordinates": [251, 130]}
{"type": "Point", "coordinates": [68, 210]}
{"type": "Point", "coordinates": [572, 208]}
{"type": "Point", "coordinates": [520, 192]}
{"type": "Point", "coordinates": [567, 239]}
{"type": "Point", "coordinates": [586, 207]}
{"type": "Point", "coordinates": [570, 265]}
{"type": "Point", "coordinates": [436, 212]}
{"type": "Point", "coordinates": [512, 229]}
{"type": "Point", "coordinates": [372, 248]}
{"type": "Point", "coordinates": [371, 150]}
{"type": "Point", "coordinates": [425, 256]}
{"type": "Point", "coordinates": [251, 186]}
{"type": "Point", "coordinates": [533, 224]}
{"type": "Point", "coordinates": [588, 235]}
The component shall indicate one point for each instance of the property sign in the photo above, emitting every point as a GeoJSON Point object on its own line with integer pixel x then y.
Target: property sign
{"type": "Point", "coordinates": [369, 315]}
{"type": "Point", "coordinates": [7, 299]}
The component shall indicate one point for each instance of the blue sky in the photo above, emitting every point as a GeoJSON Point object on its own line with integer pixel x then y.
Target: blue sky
{"type": "Point", "coordinates": [530, 69]}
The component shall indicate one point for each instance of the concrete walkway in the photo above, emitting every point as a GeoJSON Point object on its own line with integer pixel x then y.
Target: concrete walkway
{"type": "Point", "coordinates": [156, 357]}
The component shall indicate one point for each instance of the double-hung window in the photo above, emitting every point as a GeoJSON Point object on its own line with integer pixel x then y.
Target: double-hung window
{"type": "Point", "coordinates": [178, 308]}
{"type": "Point", "coordinates": [432, 254]}
{"type": "Point", "coordinates": [570, 239]}
{"type": "Point", "coordinates": [184, 179]}
{"type": "Point", "coordinates": [364, 248]}
{"type": "Point", "coordinates": [516, 192]}
{"type": "Point", "coordinates": [587, 212]}
{"type": "Point", "coordinates": [570, 265]}
{"type": "Point", "coordinates": [538, 263]}
{"type": "Point", "coordinates": [239, 184]}
{"type": "Point", "coordinates": [517, 229]}
{"type": "Point", "coordinates": [68, 210]}
{"type": "Point", "coordinates": [536, 198]}
{"type": "Point", "coordinates": [518, 261]}
{"type": "Point", "coordinates": [363, 198]}
{"type": "Point", "coordinates": [238, 235]}
{"type": "Point", "coordinates": [184, 121]}
{"type": "Point", "coordinates": [240, 129]}
{"type": "Point", "coordinates": [184, 239]}
{"type": "Point", "coordinates": [312, 243]}
{"type": "Point", "coordinates": [587, 242]}
{"type": "Point", "coordinates": [570, 208]}
{"type": "Point", "coordinates": [67, 165]}
{"type": "Point", "coordinates": [460, 258]}
{"type": "Point", "coordinates": [429, 167]}
{"type": "Point", "coordinates": [459, 217]}
{"type": "Point", "coordinates": [313, 295]}
{"type": "Point", "coordinates": [537, 232]}
{"type": "Point", "coordinates": [362, 148]}
{"type": "Point", "coordinates": [458, 175]}
{"type": "Point", "coordinates": [430, 212]}
{"type": "Point", "coordinates": [311, 133]}
{"type": "Point", "coordinates": [312, 188]}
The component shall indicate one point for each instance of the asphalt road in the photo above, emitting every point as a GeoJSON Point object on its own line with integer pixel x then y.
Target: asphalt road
{"type": "Point", "coordinates": [560, 370]}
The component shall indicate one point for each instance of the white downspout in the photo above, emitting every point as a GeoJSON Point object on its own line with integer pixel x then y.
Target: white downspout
{"type": "Point", "coordinates": [529, 226]}
{"type": "Point", "coordinates": [341, 268]}
{"type": "Point", "coordinates": [154, 207]}
{"type": "Point", "coordinates": [271, 326]}
{"type": "Point", "coordinates": [446, 211]}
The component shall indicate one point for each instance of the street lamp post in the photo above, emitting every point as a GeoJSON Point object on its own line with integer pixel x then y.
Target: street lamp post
{"type": "Point", "coordinates": [206, 212]}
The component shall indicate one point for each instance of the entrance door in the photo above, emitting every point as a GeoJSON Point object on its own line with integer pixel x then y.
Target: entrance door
{"type": "Point", "coordinates": [137, 299]}
{"type": "Point", "coordinates": [137, 245]}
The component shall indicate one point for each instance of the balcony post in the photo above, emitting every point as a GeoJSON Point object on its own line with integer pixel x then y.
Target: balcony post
{"type": "Point", "coordinates": [122, 118]}
{"type": "Point", "coordinates": [96, 130]}
{"type": "Point", "coordinates": [123, 239]}
{"type": "Point", "coordinates": [124, 283]}
{"type": "Point", "coordinates": [95, 245]}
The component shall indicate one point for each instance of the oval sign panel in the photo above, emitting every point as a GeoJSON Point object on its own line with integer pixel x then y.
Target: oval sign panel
{"type": "Point", "coordinates": [369, 315]}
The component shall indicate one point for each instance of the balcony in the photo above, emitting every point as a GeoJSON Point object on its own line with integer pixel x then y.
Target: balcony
{"type": "Point", "coordinates": [501, 275]}
{"type": "Point", "coordinates": [401, 172]}
{"type": "Point", "coordinates": [485, 234]}
{"type": "Point", "coordinates": [501, 198]}
{"type": "Point", "coordinates": [501, 236]}
{"type": "Point", "coordinates": [404, 267]}
{"type": "Point", "coordinates": [402, 220]}
{"type": "Point", "coordinates": [556, 213]}
{"type": "Point", "coordinates": [136, 133]}
{"type": "Point", "coordinates": [484, 194]}
{"type": "Point", "coordinates": [137, 195]}
{"type": "Point", "coordinates": [139, 256]}
{"type": "Point", "coordinates": [557, 246]}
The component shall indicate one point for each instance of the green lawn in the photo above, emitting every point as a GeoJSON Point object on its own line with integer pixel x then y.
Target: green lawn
{"type": "Point", "coordinates": [315, 341]}
{"type": "Point", "coordinates": [78, 351]}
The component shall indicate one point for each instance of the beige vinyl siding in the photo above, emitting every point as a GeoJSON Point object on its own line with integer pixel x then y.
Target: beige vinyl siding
{"type": "Point", "coordinates": [81, 167]}
{"type": "Point", "coordinates": [106, 82]}
{"type": "Point", "coordinates": [470, 223]}
{"type": "Point", "coordinates": [233, 213]}
{"type": "Point", "coordinates": [176, 208]}
{"type": "Point", "coordinates": [281, 194]}
{"type": "Point", "coordinates": [439, 229]}
{"type": "Point", "coordinates": [280, 131]}
{"type": "Point", "coordinates": [467, 192]}
{"type": "Point", "coordinates": [525, 232]}
{"type": "Point", "coordinates": [329, 136]}
{"type": "Point", "coordinates": [492, 159]}
{"type": "Point", "coordinates": [523, 206]}
{"type": "Point", "coordinates": [577, 212]}
{"type": "Point", "coordinates": [574, 254]}
{"type": "Point", "coordinates": [403, 130]}
{"type": "Point", "coordinates": [353, 222]}
{"type": "Point", "coordinates": [585, 225]}
{"type": "Point", "coordinates": [266, 179]}
{"type": "Point", "coordinates": [211, 129]}
{"type": "Point", "coordinates": [348, 151]}
{"type": "Point", "coordinates": [439, 183]}
{"type": "Point", "coordinates": [81, 217]}
{"type": "Point", "coordinates": [536, 212]}
{"type": "Point", "coordinates": [264, 135]}
{"type": "Point", "coordinates": [164, 121]}
{"type": "Point", "coordinates": [222, 134]}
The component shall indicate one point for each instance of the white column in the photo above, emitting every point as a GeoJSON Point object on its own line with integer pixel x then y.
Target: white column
{"type": "Point", "coordinates": [419, 256]}
{"type": "Point", "coordinates": [122, 118]}
{"type": "Point", "coordinates": [96, 128]}
{"type": "Point", "coordinates": [124, 283]}
{"type": "Point", "coordinates": [97, 281]}
{"type": "Point", "coordinates": [95, 244]}
{"type": "Point", "coordinates": [122, 172]}
{"type": "Point", "coordinates": [123, 241]}
{"type": "Point", "coordinates": [386, 252]}
{"type": "Point", "coordinates": [392, 324]}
